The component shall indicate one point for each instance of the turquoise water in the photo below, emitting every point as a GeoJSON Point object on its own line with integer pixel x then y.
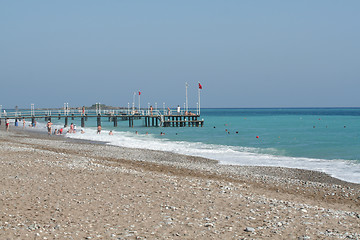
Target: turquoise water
{"type": "Point", "coordinates": [324, 139]}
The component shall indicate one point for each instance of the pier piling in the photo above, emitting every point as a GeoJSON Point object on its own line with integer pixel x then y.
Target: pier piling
{"type": "Point", "coordinates": [115, 121]}
{"type": "Point", "coordinates": [98, 120]}
{"type": "Point", "coordinates": [82, 122]}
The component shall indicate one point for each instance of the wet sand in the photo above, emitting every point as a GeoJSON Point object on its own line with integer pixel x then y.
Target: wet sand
{"type": "Point", "coordinates": [58, 188]}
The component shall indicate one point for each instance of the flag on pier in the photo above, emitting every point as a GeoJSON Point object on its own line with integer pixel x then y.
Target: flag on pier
{"type": "Point", "coordinates": [139, 93]}
{"type": "Point", "coordinates": [200, 87]}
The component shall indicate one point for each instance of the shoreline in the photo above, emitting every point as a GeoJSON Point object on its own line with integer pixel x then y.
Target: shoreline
{"type": "Point", "coordinates": [204, 183]}
{"type": "Point", "coordinates": [296, 173]}
{"type": "Point", "coordinates": [330, 174]}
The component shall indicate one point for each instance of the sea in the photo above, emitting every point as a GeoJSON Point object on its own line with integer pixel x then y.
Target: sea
{"type": "Point", "coordinates": [320, 139]}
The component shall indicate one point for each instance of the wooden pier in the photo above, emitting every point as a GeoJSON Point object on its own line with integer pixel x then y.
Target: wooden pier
{"type": "Point", "coordinates": [154, 119]}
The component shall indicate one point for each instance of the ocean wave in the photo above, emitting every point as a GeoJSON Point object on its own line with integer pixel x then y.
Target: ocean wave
{"type": "Point", "coordinates": [234, 155]}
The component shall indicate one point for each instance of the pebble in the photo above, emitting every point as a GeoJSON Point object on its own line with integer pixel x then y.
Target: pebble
{"type": "Point", "coordinates": [203, 216]}
{"type": "Point", "coordinates": [249, 229]}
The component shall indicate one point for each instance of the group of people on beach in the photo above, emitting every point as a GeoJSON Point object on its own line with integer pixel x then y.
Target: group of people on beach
{"type": "Point", "coordinates": [72, 129]}
{"type": "Point", "coordinates": [56, 131]}
{"type": "Point", "coordinates": [7, 124]}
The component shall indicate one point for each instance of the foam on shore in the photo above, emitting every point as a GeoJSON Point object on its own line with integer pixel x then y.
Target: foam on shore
{"type": "Point", "coordinates": [341, 169]}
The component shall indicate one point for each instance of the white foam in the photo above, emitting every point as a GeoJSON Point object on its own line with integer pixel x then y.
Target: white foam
{"type": "Point", "coordinates": [342, 169]}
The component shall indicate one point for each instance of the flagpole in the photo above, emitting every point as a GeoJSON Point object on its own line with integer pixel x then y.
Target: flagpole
{"type": "Point", "coordinates": [139, 100]}
{"type": "Point", "coordinates": [199, 101]}
{"type": "Point", "coordinates": [133, 104]}
{"type": "Point", "coordinates": [186, 98]}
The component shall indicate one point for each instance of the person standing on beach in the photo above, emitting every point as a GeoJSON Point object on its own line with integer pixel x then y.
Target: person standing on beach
{"type": "Point", "coordinates": [24, 123]}
{"type": "Point", "coordinates": [49, 124]}
{"type": "Point", "coordinates": [7, 124]}
{"type": "Point", "coordinates": [99, 129]}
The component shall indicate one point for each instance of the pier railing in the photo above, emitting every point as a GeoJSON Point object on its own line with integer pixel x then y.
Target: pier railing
{"type": "Point", "coordinates": [90, 112]}
{"type": "Point", "coordinates": [153, 118]}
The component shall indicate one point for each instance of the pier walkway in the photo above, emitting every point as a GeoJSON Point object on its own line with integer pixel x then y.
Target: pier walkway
{"type": "Point", "coordinates": [154, 118]}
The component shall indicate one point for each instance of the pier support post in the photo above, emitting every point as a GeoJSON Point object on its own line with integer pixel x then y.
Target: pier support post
{"type": "Point", "coordinates": [131, 121]}
{"type": "Point", "coordinates": [0, 121]}
{"type": "Point", "coordinates": [98, 120]}
{"type": "Point", "coordinates": [82, 122]}
{"type": "Point", "coordinates": [145, 121]}
{"type": "Point", "coordinates": [46, 118]}
{"type": "Point", "coordinates": [152, 121]}
{"type": "Point", "coordinates": [49, 119]}
{"type": "Point", "coordinates": [157, 122]}
{"type": "Point", "coordinates": [59, 117]}
{"type": "Point", "coordinates": [66, 122]}
{"type": "Point", "coordinates": [86, 117]}
{"type": "Point", "coordinates": [115, 121]}
{"type": "Point", "coordinates": [72, 116]}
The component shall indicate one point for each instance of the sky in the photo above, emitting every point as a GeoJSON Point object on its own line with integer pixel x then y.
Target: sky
{"type": "Point", "coordinates": [244, 53]}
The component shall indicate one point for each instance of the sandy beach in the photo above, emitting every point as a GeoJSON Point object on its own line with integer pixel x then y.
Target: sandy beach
{"type": "Point", "coordinates": [58, 188]}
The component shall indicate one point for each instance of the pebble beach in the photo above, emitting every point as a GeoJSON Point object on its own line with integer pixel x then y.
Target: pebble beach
{"type": "Point", "coordinates": [52, 187]}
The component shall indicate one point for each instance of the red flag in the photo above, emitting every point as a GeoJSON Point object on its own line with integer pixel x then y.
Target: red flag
{"type": "Point", "coordinates": [139, 93]}
{"type": "Point", "coordinates": [200, 87]}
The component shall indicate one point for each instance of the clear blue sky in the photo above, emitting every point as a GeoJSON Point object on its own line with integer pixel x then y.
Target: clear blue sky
{"type": "Point", "coordinates": [244, 53]}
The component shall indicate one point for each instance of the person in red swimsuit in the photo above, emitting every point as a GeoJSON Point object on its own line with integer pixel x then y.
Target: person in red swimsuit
{"type": "Point", "coordinates": [7, 124]}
